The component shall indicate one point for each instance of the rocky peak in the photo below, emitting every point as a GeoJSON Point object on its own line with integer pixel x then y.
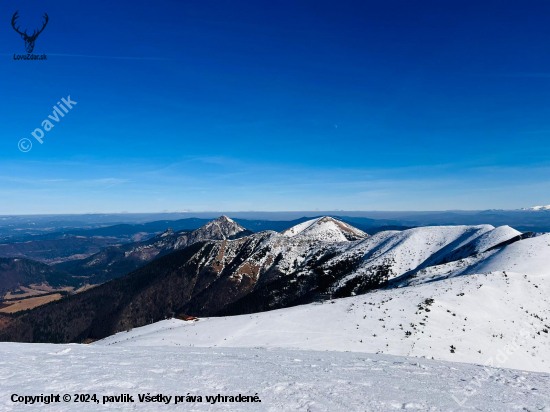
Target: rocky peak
{"type": "Point", "coordinates": [220, 229]}
{"type": "Point", "coordinates": [167, 232]}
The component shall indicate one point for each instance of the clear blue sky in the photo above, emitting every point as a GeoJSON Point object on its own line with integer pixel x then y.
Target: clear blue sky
{"type": "Point", "coordinates": [286, 105]}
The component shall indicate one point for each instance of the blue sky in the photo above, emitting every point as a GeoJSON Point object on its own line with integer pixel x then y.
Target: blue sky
{"type": "Point", "coordinates": [288, 105]}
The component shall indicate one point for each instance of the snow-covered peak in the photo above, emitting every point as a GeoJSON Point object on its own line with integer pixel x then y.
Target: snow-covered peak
{"type": "Point", "coordinates": [224, 218]}
{"type": "Point", "coordinates": [537, 208]}
{"type": "Point", "coordinates": [326, 228]}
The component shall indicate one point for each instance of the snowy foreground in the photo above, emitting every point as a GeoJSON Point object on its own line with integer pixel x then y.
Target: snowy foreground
{"type": "Point", "coordinates": [283, 380]}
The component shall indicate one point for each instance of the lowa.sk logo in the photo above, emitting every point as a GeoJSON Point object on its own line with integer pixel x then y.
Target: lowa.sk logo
{"type": "Point", "coordinates": [29, 39]}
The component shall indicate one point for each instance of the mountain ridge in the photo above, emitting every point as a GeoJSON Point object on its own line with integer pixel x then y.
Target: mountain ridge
{"type": "Point", "coordinates": [117, 261]}
{"type": "Point", "coordinates": [254, 273]}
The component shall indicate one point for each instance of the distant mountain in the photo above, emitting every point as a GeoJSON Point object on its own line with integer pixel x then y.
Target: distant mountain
{"type": "Point", "coordinates": [364, 224]}
{"type": "Point", "coordinates": [135, 227]}
{"type": "Point", "coordinates": [56, 251]}
{"type": "Point", "coordinates": [117, 261]}
{"type": "Point", "coordinates": [15, 273]}
{"type": "Point", "coordinates": [259, 272]}
{"type": "Point", "coordinates": [123, 232]}
{"type": "Point", "coordinates": [13, 229]}
{"type": "Point", "coordinates": [537, 208]}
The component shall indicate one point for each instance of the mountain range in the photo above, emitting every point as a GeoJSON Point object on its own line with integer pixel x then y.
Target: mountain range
{"type": "Point", "coordinates": [56, 250]}
{"type": "Point", "coordinates": [132, 227]}
{"type": "Point", "coordinates": [264, 271]}
{"type": "Point", "coordinates": [26, 278]}
{"type": "Point", "coordinates": [116, 261]}
{"type": "Point", "coordinates": [488, 307]}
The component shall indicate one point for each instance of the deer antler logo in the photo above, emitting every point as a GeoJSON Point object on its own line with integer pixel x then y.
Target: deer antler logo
{"type": "Point", "coordinates": [29, 40]}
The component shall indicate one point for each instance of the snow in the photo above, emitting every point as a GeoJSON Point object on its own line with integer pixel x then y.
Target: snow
{"type": "Point", "coordinates": [226, 218]}
{"type": "Point", "coordinates": [325, 229]}
{"type": "Point", "coordinates": [479, 314]}
{"type": "Point", "coordinates": [494, 237]}
{"type": "Point", "coordinates": [299, 228]}
{"type": "Point", "coordinates": [388, 254]}
{"type": "Point", "coordinates": [223, 221]}
{"type": "Point", "coordinates": [409, 250]}
{"type": "Point", "coordinates": [392, 253]}
{"type": "Point", "coordinates": [283, 380]}
{"type": "Point", "coordinates": [530, 256]}
{"type": "Point", "coordinates": [537, 208]}
{"type": "Point", "coordinates": [527, 257]}
{"type": "Point", "coordinates": [482, 304]}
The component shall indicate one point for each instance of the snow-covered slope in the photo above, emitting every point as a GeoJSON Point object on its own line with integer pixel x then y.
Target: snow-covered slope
{"type": "Point", "coordinates": [392, 254]}
{"type": "Point", "coordinates": [477, 315]}
{"type": "Point", "coordinates": [530, 256]}
{"type": "Point", "coordinates": [325, 229]}
{"type": "Point", "coordinates": [285, 381]}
